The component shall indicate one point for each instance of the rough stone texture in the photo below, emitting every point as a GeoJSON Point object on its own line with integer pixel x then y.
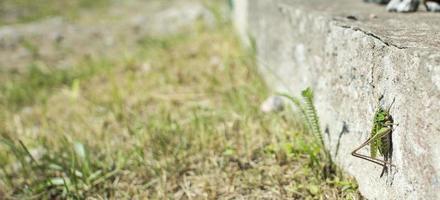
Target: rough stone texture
{"type": "Point", "coordinates": [350, 53]}
{"type": "Point", "coordinates": [240, 18]}
{"type": "Point", "coordinates": [59, 42]}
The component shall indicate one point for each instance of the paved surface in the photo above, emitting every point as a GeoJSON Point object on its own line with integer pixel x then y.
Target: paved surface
{"type": "Point", "coordinates": [61, 43]}
{"type": "Point", "coordinates": [351, 53]}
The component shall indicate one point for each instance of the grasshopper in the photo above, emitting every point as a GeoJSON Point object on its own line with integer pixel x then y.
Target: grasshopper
{"type": "Point", "coordinates": [380, 139]}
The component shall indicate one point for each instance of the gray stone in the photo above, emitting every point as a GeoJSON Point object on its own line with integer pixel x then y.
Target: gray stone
{"type": "Point", "coordinates": [272, 104]}
{"type": "Point", "coordinates": [377, 1]}
{"type": "Point", "coordinates": [432, 6]}
{"type": "Point", "coordinates": [349, 64]}
{"type": "Point", "coordinates": [403, 5]}
{"type": "Point", "coordinates": [178, 17]}
{"type": "Point", "coordinates": [240, 16]}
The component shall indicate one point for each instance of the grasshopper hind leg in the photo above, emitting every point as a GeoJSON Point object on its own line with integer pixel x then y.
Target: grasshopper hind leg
{"type": "Point", "coordinates": [387, 150]}
{"type": "Point", "coordinates": [387, 153]}
{"type": "Point", "coordinates": [384, 169]}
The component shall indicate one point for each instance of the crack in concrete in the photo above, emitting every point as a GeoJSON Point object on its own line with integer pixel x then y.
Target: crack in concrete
{"type": "Point", "coordinates": [284, 7]}
{"type": "Point", "coordinates": [372, 35]}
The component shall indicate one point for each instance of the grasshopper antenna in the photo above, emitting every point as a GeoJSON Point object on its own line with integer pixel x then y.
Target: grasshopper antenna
{"type": "Point", "coordinates": [392, 103]}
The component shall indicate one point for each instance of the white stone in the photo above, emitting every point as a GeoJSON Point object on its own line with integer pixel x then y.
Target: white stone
{"type": "Point", "coordinates": [272, 104]}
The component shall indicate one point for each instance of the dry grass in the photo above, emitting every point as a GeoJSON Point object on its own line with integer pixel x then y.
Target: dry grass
{"type": "Point", "coordinates": [177, 120]}
{"type": "Point", "coordinates": [19, 11]}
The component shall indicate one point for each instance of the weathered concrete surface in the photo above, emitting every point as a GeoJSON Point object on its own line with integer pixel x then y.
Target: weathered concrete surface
{"type": "Point", "coordinates": [350, 62]}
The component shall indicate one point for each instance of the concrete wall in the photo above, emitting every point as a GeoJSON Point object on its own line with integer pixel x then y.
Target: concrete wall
{"type": "Point", "coordinates": [350, 53]}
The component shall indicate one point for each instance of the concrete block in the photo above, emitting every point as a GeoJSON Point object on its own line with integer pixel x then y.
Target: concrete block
{"type": "Point", "coordinates": [351, 53]}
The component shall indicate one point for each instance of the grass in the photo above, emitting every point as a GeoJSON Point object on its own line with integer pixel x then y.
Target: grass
{"type": "Point", "coordinates": [20, 11]}
{"type": "Point", "coordinates": [35, 83]}
{"type": "Point", "coordinates": [178, 119]}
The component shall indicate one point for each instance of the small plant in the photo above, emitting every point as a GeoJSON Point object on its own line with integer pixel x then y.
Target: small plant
{"type": "Point", "coordinates": [311, 118]}
{"type": "Point", "coordinates": [69, 173]}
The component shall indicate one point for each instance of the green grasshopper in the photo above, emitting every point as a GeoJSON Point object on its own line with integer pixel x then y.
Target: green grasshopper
{"type": "Point", "coordinates": [380, 139]}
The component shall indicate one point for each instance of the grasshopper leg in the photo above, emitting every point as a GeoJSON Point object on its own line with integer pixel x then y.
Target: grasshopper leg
{"type": "Point", "coordinates": [369, 158]}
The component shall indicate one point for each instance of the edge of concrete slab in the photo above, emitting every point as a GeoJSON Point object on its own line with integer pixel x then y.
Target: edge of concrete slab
{"type": "Point", "coordinates": [351, 53]}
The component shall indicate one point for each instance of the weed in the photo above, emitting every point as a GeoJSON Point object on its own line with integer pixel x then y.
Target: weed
{"type": "Point", "coordinates": [311, 118]}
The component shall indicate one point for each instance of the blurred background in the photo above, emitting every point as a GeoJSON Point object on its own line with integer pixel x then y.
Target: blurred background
{"type": "Point", "coordinates": [20, 11]}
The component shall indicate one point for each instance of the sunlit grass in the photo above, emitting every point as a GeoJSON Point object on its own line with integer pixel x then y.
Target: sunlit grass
{"type": "Point", "coordinates": [178, 119]}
